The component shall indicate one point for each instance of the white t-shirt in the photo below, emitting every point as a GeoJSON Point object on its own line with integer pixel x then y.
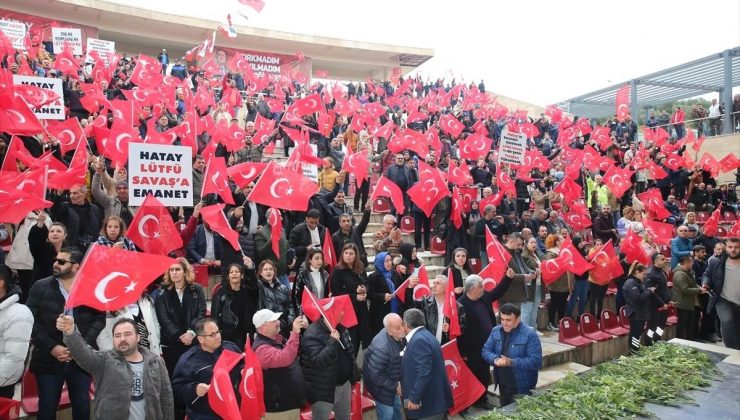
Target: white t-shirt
{"type": "Point", "coordinates": [137, 410]}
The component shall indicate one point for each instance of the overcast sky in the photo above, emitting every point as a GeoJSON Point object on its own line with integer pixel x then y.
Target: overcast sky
{"type": "Point", "coordinates": [537, 51]}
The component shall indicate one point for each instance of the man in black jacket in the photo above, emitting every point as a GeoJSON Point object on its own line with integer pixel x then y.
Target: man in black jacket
{"type": "Point", "coordinates": [477, 301]}
{"type": "Point", "coordinates": [656, 278]}
{"type": "Point", "coordinates": [351, 234]}
{"type": "Point", "coordinates": [722, 278]}
{"type": "Point", "coordinates": [83, 220]}
{"type": "Point", "coordinates": [309, 234]}
{"type": "Point", "coordinates": [51, 361]}
{"type": "Point", "coordinates": [401, 175]}
{"type": "Point", "coordinates": [194, 371]}
{"type": "Point", "coordinates": [381, 368]}
{"type": "Point", "coordinates": [328, 359]}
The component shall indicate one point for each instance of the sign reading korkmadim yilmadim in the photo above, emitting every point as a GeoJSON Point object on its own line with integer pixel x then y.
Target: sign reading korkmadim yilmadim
{"type": "Point", "coordinates": [165, 172]}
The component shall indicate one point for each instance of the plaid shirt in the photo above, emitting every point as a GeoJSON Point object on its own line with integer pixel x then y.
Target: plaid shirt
{"type": "Point", "coordinates": [127, 243]}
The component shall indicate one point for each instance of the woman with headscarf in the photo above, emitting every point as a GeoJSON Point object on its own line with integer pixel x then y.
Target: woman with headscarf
{"type": "Point", "coordinates": [409, 260]}
{"type": "Point", "coordinates": [382, 283]}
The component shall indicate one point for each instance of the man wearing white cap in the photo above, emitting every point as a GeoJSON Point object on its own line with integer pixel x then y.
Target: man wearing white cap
{"type": "Point", "coordinates": [281, 369]}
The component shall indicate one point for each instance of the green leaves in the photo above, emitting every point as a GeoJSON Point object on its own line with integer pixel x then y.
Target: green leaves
{"type": "Point", "coordinates": [619, 389]}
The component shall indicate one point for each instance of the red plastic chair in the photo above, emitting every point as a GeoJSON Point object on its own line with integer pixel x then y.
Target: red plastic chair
{"type": "Point", "coordinates": [569, 334]}
{"type": "Point", "coordinates": [665, 250]}
{"type": "Point", "coordinates": [30, 395]}
{"type": "Point", "coordinates": [702, 217]}
{"type": "Point", "coordinates": [672, 316]}
{"type": "Point", "coordinates": [589, 328]}
{"type": "Point", "coordinates": [381, 205]}
{"type": "Point", "coordinates": [729, 217]}
{"type": "Point", "coordinates": [684, 204]}
{"type": "Point", "coordinates": [624, 320]}
{"type": "Point", "coordinates": [722, 232]}
{"type": "Point", "coordinates": [407, 224]}
{"type": "Point", "coordinates": [201, 274]}
{"type": "Point", "coordinates": [475, 265]}
{"type": "Point", "coordinates": [610, 323]}
{"type": "Point", "coordinates": [439, 247]}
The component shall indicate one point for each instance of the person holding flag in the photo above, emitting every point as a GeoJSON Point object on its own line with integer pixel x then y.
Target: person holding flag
{"type": "Point", "coordinates": [433, 309]}
{"type": "Point", "coordinates": [313, 276]}
{"type": "Point", "coordinates": [123, 373]}
{"type": "Point", "coordinates": [382, 284]}
{"type": "Point", "coordinates": [51, 359]}
{"type": "Point", "coordinates": [515, 352]}
{"type": "Point", "coordinates": [349, 278]}
{"type": "Point", "coordinates": [329, 367]}
{"type": "Point", "coordinates": [192, 379]}
{"type": "Point", "coordinates": [281, 370]}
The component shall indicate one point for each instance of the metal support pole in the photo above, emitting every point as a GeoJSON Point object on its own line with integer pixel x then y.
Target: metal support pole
{"type": "Point", "coordinates": [726, 97]}
{"type": "Point", "coordinates": [633, 100]}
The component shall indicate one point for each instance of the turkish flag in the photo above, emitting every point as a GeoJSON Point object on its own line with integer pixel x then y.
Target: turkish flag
{"type": "Point", "coordinates": [468, 194]}
{"type": "Point", "coordinates": [505, 183]}
{"type": "Point", "coordinates": [409, 139]}
{"type": "Point", "coordinates": [584, 126]}
{"type": "Point", "coordinates": [575, 262]}
{"type": "Point", "coordinates": [457, 208]}
{"type": "Point", "coordinates": [466, 389]}
{"type": "Point", "coordinates": [66, 62]}
{"type": "Point", "coordinates": [283, 188]}
{"type": "Point", "coordinates": [622, 101]}
{"type": "Point", "coordinates": [358, 165]}
{"type": "Point", "coordinates": [386, 188]}
{"type": "Point", "coordinates": [422, 289]}
{"type": "Point", "coordinates": [275, 220]}
{"type": "Point", "coordinates": [653, 202]}
{"type": "Point", "coordinates": [428, 191]}
{"type": "Point", "coordinates": [240, 64]}
{"type": "Point", "coordinates": [709, 163]}
{"type": "Point", "coordinates": [244, 173]}
{"type": "Point", "coordinates": [16, 204]}
{"type": "Point", "coordinates": [110, 278]}
{"type": "Point", "coordinates": [712, 224]}
{"type": "Point", "coordinates": [19, 119]}
{"type": "Point", "coordinates": [735, 229]}
{"type": "Point", "coordinates": [31, 182]}
{"type": "Point", "coordinates": [216, 180]}
{"type": "Point", "coordinates": [330, 258]}
{"type": "Point", "coordinates": [606, 264]}
{"type": "Point", "coordinates": [252, 386]}
{"type": "Point", "coordinates": [656, 172]}
{"type": "Point", "coordinates": [216, 219]}
{"type": "Point", "coordinates": [331, 308]}
{"type": "Point", "coordinates": [61, 178]}
{"type": "Point", "coordinates": [602, 138]}
{"type": "Point", "coordinates": [356, 404]}
{"type": "Point", "coordinates": [662, 233]}
{"type": "Point", "coordinates": [67, 133]}
{"type": "Point", "coordinates": [36, 97]}
{"type": "Point", "coordinates": [474, 147]}
{"type": "Point", "coordinates": [451, 125]}
{"type": "Point", "coordinates": [153, 230]}
{"type": "Point", "coordinates": [147, 73]}
{"type": "Point", "coordinates": [308, 105]}
{"type": "Point", "coordinates": [16, 151]}
{"type": "Point", "coordinates": [450, 307]}
{"type": "Point", "coordinates": [386, 131]}
{"type": "Point", "coordinates": [617, 180]}
{"type": "Point", "coordinates": [729, 163]}
{"type": "Point", "coordinates": [459, 175]}
{"type": "Point", "coordinates": [578, 217]}
{"type": "Point", "coordinates": [697, 143]}
{"type": "Point", "coordinates": [254, 4]}
{"type": "Point", "coordinates": [221, 396]}
{"type": "Point", "coordinates": [570, 189]}
{"type": "Point", "coordinates": [496, 252]}
{"type": "Point", "coordinates": [553, 269]}
{"type": "Point", "coordinates": [631, 247]}
{"type": "Point", "coordinates": [10, 409]}
{"type": "Point", "coordinates": [115, 147]}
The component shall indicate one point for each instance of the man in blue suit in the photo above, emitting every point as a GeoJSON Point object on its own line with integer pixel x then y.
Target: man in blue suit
{"type": "Point", "coordinates": [205, 247]}
{"type": "Point", "coordinates": [425, 388]}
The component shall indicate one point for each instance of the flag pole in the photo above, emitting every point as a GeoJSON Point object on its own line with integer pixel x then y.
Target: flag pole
{"type": "Point", "coordinates": [323, 315]}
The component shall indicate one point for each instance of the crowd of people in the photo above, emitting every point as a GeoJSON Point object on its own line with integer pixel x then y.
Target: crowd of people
{"type": "Point", "coordinates": [155, 357]}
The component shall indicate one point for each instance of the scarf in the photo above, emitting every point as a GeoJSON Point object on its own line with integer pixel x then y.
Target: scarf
{"type": "Point", "coordinates": [388, 276]}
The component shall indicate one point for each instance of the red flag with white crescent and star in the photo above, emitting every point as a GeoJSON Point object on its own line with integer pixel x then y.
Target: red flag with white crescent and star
{"type": "Point", "coordinates": [216, 219]}
{"type": "Point", "coordinates": [387, 188]}
{"type": "Point", "coordinates": [244, 173]}
{"type": "Point", "coordinates": [110, 278]}
{"type": "Point", "coordinates": [153, 230]}
{"type": "Point", "coordinates": [275, 220]}
{"type": "Point", "coordinates": [466, 388]}
{"type": "Point", "coordinates": [606, 264]}
{"type": "Point", "coordinates": [216, 180]}
{"type": "Point", "coordinates": [330, 258]}
{"type": "Point", "coordinates": [358, 165]}
{"type": "Point", "coordinates": [282, 188]}
{"type": "Point", "coordinates": [622, 101]}
{"type": "Point", "coordinates": [221, 396]}
{"type": "Point", "coordinates": [450, 308]}
{"type": "Point", "coordinates": [333, 309]}
{"type": "Point", "coordinates": [252, 386]}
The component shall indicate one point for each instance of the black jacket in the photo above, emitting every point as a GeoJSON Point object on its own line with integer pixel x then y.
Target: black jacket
{"type": "Point", "coordinates": [379, 308]}
{"type": "Point", "coordinates": [655, 277]}
{"type": "Point", "coordinates": [339, 239]}
{"type": "Point", "coordinates": [714, 276]}
{"type": "Point", "coordinates": [42, 251]}
{"type": "Point", "coordinates": [638, 299]}
{"type": "Point", "coordinates": [196, 366]}
{"type": "Point", "coordinates": [83, 222]}
{"type": "Point", "coordinates": [320, 359]}
{"type": "Point", "coordinates": [276, 297]}
{"type": "Point", "coordinates": [401, 176]}
{"type": "Point", "coordinates": [46, 302]}
{"type": "Point", "coordinates": [168, 309]}
{"type": "Point", "coordinates": [235, 321]}
{"type": "Point", "coordinates": [345, 282]}
{"type": "Point", "coordinates": [285, 387]}
{"type": "Point", "coordinates": [303, 280]}
{"type": "Point", "coordinates": [300, 239]}
{"type": "Point", "coordinates": [428, 305]}
{"type": "Point", "coordinates": [381, 368]}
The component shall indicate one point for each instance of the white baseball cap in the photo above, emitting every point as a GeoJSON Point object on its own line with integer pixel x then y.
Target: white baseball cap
{"type": "Point", "coordinates": [265, 315]}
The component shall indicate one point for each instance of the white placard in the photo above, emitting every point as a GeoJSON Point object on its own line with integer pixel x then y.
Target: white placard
{"type": "Point", "coordinates": [16, 31]}
{"type": "Point", "coordinates": [310, 171]}
{"type": "Point", "coordinates": [512, 148]}
{"type": "Point", "coordinates": [53, 110]}
{"type": "Point", "coordinates": [105, 48]}
{"type": "Point", "coordinates": [72, 35]}
{"type": "Point", "coordinates": [166, 172]}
